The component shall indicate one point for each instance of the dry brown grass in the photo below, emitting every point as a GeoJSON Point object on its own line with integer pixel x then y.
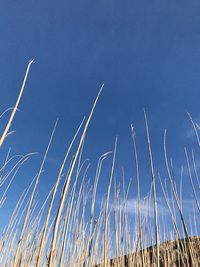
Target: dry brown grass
{"type": "Point", "coordinates": [63, 235]}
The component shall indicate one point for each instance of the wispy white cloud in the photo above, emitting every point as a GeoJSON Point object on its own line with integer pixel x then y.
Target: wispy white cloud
{"type": "Point", "coordinates": [147, 209]}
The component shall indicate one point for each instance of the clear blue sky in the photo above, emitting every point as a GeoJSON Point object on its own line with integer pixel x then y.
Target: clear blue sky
{"type": "Point", "coordinates": [147, 53]}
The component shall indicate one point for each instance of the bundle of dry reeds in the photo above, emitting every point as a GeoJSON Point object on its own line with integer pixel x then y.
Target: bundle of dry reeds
{"type": "Point", "coordinates": [63, 235]}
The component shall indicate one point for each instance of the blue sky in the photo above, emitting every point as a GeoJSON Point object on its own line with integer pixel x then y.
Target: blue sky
{"type": "Point", "coordinates": [147, 53]}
